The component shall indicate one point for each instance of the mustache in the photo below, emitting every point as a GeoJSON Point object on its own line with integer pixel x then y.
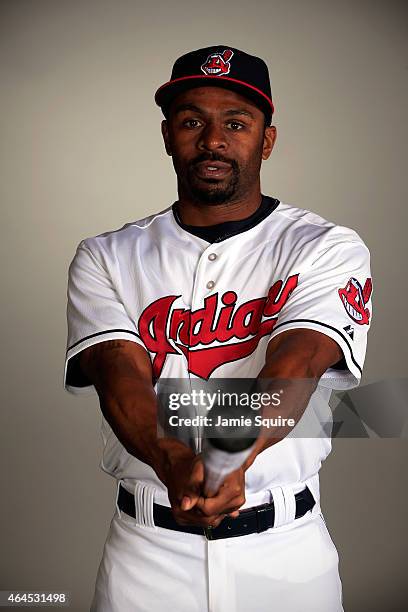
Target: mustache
{"type": "Point", "coordinates": [208, 157]}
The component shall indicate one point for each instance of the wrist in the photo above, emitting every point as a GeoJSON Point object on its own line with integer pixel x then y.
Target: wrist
{"type": "Point", "coordinates": [260, 445]}
{"type": "Point", "coordinates": [170, 453]}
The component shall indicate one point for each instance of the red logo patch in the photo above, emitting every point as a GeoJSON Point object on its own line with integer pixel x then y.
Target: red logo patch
{"type": "Point", "coordinates": [354, 299]}
{"type": "Point", "coordinates": [247, 323]}
{"type": "Point", "coordinates": [218, 64]}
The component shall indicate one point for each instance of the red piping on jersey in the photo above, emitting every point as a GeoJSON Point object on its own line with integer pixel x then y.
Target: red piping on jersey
{"type": "Point", "coordinates": [202, 76]}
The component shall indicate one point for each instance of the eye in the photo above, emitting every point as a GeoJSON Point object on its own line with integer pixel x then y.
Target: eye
{"type": "Point", "coordinates": [191, 123]}
{"type": "Point", "coordinates": [235, 125]}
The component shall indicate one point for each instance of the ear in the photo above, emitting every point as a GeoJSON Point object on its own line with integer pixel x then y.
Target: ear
{"type": "Point", "coordinates": [269, 140]}
{"type": "Point", "coordinates": [165, 134]}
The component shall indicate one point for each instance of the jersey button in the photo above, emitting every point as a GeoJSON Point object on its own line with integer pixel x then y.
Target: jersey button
{"type": "Point", "coordinates": [210, 285]}
{"type": "Point", "coordinates": [212, 257]}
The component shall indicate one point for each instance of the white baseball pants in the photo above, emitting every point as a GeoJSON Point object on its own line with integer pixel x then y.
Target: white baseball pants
{"type": "Point", "coordinates": [151, 569]}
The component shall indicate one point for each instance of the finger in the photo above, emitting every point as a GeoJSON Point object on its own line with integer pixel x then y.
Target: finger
{"type": "Point", "coordinates": [190, 519]}
{"type": "Point", "coordinates": [220, 504]}
{"type": "Point", "coordinates": [209, 492]}
{"type": "Point", "coordinates": [187, 503]}
{"type": "Point", "coordinates": [234, 514]}
{"type": "Point", "coordinates": [215, 521]}
{"type": "Point", "coordinates": [232, 509]}
{"type": "Point", "coordinates": [190, 493]}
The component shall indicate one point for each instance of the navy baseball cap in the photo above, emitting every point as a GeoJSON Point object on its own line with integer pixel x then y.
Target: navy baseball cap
{"type": "Point", "coordinates": [220, 66]}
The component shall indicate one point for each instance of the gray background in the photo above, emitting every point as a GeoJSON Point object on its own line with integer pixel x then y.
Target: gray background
{"type": "Point", "coordinates": [81, 153]}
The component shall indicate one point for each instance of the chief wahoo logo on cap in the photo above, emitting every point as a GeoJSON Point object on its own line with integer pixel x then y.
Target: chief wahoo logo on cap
{"type": "Point", "coordinates": [218, 64]}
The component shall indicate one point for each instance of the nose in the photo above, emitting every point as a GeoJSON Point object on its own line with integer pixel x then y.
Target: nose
{"type": "Point", "coordinates": [212, 137]}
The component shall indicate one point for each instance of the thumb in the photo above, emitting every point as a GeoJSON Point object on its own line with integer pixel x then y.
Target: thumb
{"type": "Point", "coordinates": [191, 492]}
{"type": "Point", "coordinates": [188, 502]}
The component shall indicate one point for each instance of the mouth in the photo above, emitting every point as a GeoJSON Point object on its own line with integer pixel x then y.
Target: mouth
{"type": "Point", "coordinates": [212, 170]}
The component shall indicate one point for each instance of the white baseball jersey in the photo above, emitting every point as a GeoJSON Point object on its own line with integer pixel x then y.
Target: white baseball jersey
{"type": "Point", "coordinates": [206, 310]}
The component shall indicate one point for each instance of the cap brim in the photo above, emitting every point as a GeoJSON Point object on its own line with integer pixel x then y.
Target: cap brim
{"type": "Point", "coordinates": [167, 92]}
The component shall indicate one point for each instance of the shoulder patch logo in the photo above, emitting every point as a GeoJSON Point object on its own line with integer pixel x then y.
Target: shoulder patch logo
{"type": "Point", "coordinates": [354, 299]}
{"type": "Point", "coordinates": [218, 64]}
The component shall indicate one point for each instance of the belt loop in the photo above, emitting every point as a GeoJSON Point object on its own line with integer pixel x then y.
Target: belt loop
{"type": "Point", "coordinates": [279, 504]}
{"type": "Point", "coordinates": [290, 504]}
{"type": "Point", "coordinates": [285, 505]}
{"type": "Point", "coordinates": [313, 485]}
{"type": "Point", "coordinates": [117, 496]}
{"type": "Point", "coordinates": [144, 497]}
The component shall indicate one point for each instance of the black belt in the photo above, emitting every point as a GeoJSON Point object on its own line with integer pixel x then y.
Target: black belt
{"type": "Point", "coordinates": [250, 520]}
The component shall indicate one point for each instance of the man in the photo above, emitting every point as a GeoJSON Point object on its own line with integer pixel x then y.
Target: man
{"type": "Point", "coordinates": [226, 283]}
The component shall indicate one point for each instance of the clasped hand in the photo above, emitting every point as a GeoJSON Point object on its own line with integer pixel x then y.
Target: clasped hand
{"type": "Point", "coordinates": [190, 506]}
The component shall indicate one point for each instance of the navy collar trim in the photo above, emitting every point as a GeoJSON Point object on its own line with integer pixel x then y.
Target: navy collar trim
{"type": "Point", "coordinates": [227, 229]}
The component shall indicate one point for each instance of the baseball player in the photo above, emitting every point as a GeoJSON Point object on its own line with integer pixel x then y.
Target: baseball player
{"type": "Point", "coordinates": [225, 283]}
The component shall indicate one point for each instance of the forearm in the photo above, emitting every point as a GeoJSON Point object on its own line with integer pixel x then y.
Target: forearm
{"type": "Point", "coordinates": [294, 363]}
{"type": "Point", "coordinates": [129, 404]}
{"type": "Point", "coordinates": [131, 410]}
{"type": "Point", "coordinates": [295, 399]}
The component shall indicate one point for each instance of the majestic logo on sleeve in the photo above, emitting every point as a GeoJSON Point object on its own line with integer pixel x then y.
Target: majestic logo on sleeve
{"type": "Point", "coordinates": [354, 299]}
{"type": "Point", "coordinates": [218, 64]}
{"type": "Point", "coordinates": [218, 333]}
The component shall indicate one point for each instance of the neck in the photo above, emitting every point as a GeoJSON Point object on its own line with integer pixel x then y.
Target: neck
{"type": "Point", "coordinates": [203, 214]}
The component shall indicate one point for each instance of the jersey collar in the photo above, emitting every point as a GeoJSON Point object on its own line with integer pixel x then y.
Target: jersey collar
{"type": "Point", "coordinates": [227, 229]}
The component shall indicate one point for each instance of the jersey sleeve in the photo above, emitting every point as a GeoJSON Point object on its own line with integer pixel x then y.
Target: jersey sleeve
{"type": "Point", "coordinates": [333, 296]}
{"type": "Point", "coordinates": [95, 313]}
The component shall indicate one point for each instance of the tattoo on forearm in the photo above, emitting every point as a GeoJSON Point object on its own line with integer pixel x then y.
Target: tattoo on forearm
{"type": "Point", "coordinates": [111, 345]}
{"type": "Point", "coordinates": [117, 362]}
{"type": "Point", "coordinates": [106, 349]}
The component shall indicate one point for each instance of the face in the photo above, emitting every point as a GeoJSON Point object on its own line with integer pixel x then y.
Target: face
{"type": "Point", "coordinates": [217, 140]}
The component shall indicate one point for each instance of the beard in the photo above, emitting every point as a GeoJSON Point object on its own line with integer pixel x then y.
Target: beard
{"type": "Point", "coordinates": [211, 191]}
